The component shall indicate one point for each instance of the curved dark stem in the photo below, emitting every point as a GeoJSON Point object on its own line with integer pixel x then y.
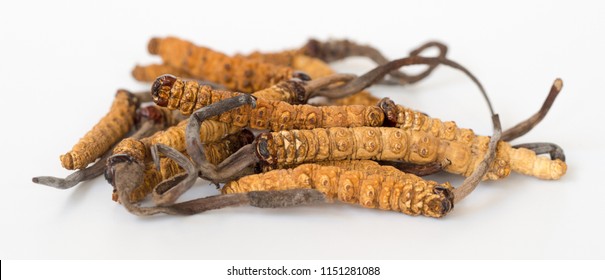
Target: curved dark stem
{"type": "Point", "coordinates": [379, 72]}
{"type": "Point", "coordinates": [552, 149]}
{"type": "Point", "coordinates": [472, 181]}
{"type": "Point", "coordinates": [313, 87]}
{"type": "Point", "coordinates": [235, 163]}
{"type": "Point", "coordinates": [400, 78]}
{"type": "Point", "coordinates": [192, 134]}
{"type": "Point", "coordinates": [262, 199]}
{"type": "Point", "coordinates": [169, 190]}
{"type": "Point", "coordinates": [525, 126]}
{"type": "Point", "coordinates": [334, 50]}
{"type": "Point", "coordinates": [127, 175]}
{"type": "Point", "coordinates": [73, 179]}
{"type": "Point", "coordinates": [234, 167]}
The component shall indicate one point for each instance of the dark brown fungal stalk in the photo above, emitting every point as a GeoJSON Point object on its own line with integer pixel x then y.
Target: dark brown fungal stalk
{"type": "Point", "coordinates": [269, 199]}
{"type": "Point", "coordinates": [525, 126]}
{"type": "Point", "coordinates": [165, 168]}
{"type": "Point", "coordinates": [333, 50]}
{"type": "Point", "coordinates": [552, 149]}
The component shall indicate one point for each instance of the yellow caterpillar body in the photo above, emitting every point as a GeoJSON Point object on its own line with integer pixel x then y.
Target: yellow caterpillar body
{"type": "Point", "coordinates": [268, 114]}
{"type": "Point", "coordinates": [367, 184]}
{"type": "Point", "coordinates": [110, 129]}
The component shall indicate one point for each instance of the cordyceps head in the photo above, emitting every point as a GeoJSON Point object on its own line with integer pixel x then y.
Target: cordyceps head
{"type": "Point", "coordinates": [160, 90]}
{"type": "Point", "coordinates": [263, 149]}
{"type": "Point", "coordinates": [441, 203]}
{"type": "Point", "coordinates": [390, 111]}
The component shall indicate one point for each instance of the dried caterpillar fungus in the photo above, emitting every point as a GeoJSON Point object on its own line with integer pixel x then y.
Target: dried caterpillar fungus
{"type": "Point", "coordinates": [372, 186]}
{"type": "Point", "coordinates": [111, 128]}
{"type": "Point", "coordinates": [236, 73]}
{"type": "Point", "coordinates": [268, 114]}
{"type": "Point", "coordinates": [286, 148]}
{"type": "Point", "coordinates": [215, 152]}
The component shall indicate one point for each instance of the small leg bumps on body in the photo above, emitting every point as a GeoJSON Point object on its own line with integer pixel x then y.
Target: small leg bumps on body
{"type": "Point", "coordinates": [244, 123]}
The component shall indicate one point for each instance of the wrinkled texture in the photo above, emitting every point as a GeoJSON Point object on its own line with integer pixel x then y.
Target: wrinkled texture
{"type": "Point", "coordinates": [110, 129]}
{"type": "Point", "coordinates": [367, 184]}
{"type": "Point", "coordinates": [236, 73]}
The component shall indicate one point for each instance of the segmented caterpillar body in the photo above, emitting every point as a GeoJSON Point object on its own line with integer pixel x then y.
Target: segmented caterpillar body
{"type": "Point", "coordinates": [110, 129]}
{"type": "Point", "coordinates": [240, 73]}
{"type": "Point", "coordinates": [269, 114]}
{"type": "Point", "coordinates": [287, 148]}
{"type": "Point", "coordinates": [367, 184]}
{"type": "Point", "coordinates": [463, 142]}
{"type": "Point", "coordinates": [138, 150]}
{"type": "Point", "coordinates": [236, 73]}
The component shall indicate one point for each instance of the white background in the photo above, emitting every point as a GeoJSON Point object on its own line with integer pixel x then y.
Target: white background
{"type": "Point", "coordinates": [61, 63]}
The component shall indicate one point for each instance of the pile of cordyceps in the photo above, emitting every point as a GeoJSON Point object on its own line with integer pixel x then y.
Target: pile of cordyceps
{"type": "Point", "coordinates": [244, 123]}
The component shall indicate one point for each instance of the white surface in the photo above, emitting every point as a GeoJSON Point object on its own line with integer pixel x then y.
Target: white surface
{"type": "Point", "coordinates": [61, 63]}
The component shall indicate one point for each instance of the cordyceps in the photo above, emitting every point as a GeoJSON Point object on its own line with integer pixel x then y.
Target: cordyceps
{"type": "Point", "coordinates": [286, 148]}
{"type": "Point", "coordinates": [104, 134]}
{"type": "Point", "coordinates": [166, 168]}
{"type": "Point", "coordinates": [276, 115]}
{"type": "Point", "coordinates": [135, 155]}
{"type": "Point", "coordinates": [149, 120]}
{"type": "Point", "coordinates": [137, 152]}
{"type": "Point", "coordinates": [236, 73]}
{"type": "Point", "coordinates": [463, 143]}
{"type": "Point", "coordinates": [175, 93]}
{"type": "Point", "coordinates": [360, 182]}
{"type": "Point", "coordinates": [365, 183]}
{"type": "Point", "coordinates": [460, 146]}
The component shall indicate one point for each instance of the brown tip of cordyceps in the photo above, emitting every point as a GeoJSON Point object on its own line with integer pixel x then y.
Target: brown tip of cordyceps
{"type": "Point", "coordinates": [446, 202]}
{"type": "Point", "coordinates": [390, 112]}
{"type": "Point", "coordinates": [558, 84]}
{"type": "Point", "coordinates": [111, 162]}
{"type": "Point", "coordinates": [154, 45]}
{"type": "Point", "coordinates": [262, 148]}
{"type": "Point", "coordinates": [160, 90]}
{"type": "Point", "coordinates": [67, 161]}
